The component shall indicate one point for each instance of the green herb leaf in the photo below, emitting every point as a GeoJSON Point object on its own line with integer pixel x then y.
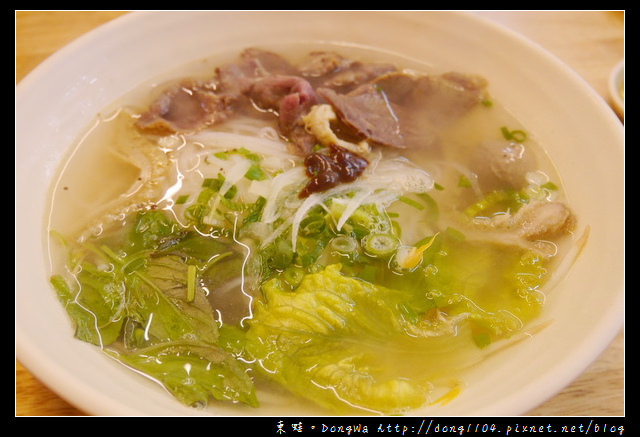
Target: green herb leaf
{"type": "Point", "coordinates": [146, 287]}
{"type": "Point", "coordinates": [193, 372]}
{"type": "Point", "coordinates": [95, 318]}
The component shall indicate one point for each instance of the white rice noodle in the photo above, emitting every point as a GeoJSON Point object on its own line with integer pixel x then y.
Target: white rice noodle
{"type": "Point", "coordinates": [382, 182]}
{"type": "Point", "coordinates": [389, 180]}
{"type": "Point", "coordinates": [352, 205]}
{"type": "Point", "coordinates": [311, 201]}
{"type": "Point", "coordinates": [279, 183]}
{"type": "Point", "coordinates": [398, 175]}
{"type": "Point", "coordinates": [234, 173]}
{"type": "Point", "coordinates": [466, 172]}
{"type": "Point", "coordinates": [219, 141]}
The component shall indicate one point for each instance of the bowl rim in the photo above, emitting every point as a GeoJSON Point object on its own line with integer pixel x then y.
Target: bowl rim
{"type": "Point", "coordinates": [616, 78]}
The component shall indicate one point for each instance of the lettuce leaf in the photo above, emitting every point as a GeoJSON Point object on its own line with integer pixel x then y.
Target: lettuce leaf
{"type": "Point", "coordinates": [326, 341]}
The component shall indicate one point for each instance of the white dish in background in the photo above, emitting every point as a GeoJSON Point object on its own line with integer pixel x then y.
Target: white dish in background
{"type": "Point", "coordinates": [580, 133]}
{"type": "Point", "coordinates": [616, 87]}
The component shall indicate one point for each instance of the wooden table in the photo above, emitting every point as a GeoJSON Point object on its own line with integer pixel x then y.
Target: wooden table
{"type": "Point", "coordinates": [591, 42]}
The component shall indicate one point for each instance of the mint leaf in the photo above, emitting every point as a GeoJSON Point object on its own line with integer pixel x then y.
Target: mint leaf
{"type": "Point", "coordinates": [193, 372]}
{"type": "Point", "coordinates": [137, 297]}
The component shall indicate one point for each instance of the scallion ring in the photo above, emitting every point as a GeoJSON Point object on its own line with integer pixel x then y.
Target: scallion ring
{"type": "Point", "coordinates": [380, 245]}
{"type": "Point", "coordinates": [293, 275]}
{"type": "Point", "coordinates": [344, 244]}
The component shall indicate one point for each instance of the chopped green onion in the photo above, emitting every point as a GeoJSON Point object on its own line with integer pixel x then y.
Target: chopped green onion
{"type": "Point", "coordinates": [255, 173]}
{"type": "Point", "coordinates": [515, 135]}
{"type": "Point", "coordinates": [248, 154]}
{"type": "Point", "coordinates": [255, 211]}
{"type": "Point", "coordinates": [344, 244]}
{"type": "Point", "coordinates": [231, 192]}
{"type": "Point", "coordinates": [432, 207]}
{"type": "Point", "coordinates": [293, 275]}
{"type": "Point", "coordinates": [206, 194]}
{"type": "Point", "coordinates": [196, 212]}
{"type": "Point", "coordinates": [213, 183]}
{"type": "Point", "coordinates": [455, 234]}
{"type": "Point", "coordinates": [380, 245]}
{"type": "Point", "coordinates": [281, 255]}
{"type": "Point", "coordinates": [312, 225]}
{"type": "Point", "coordinates": [411, 202]}
{"type": "Point", "coordinates": [490, 200]}
{"type": "Point", "coordinates": [182, 199]}
{"type": "Point", "coordinates": [464, 182]}
{"type": "Point", "coordinates": [191, 282]}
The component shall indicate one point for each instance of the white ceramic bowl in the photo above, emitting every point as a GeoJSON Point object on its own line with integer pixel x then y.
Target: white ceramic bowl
{"type": "Point", "coordinates": [616, 87]}
{"type": "Point", "coordinates": [581, 134]}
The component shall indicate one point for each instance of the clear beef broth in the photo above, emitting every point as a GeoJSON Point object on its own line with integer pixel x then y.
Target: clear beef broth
{"type": "Point", "coordinates": [451, 201]}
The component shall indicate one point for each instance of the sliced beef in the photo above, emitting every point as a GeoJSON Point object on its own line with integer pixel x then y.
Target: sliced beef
{"type": "Point", "coordinates": [238, 77]}
{"type": "Point", "coordinates": [290, 122]}
{"type": "Point", "coordinates": [186, 106]}
{"type": "Point", "coordinates": [334, 71]}
{"type": "Point", "coordinates": [266, 93]}
{"type": "Point", "coordinates": [320, 64]}
{"type": "Point", "coordinates": [266, 63]}
{"type": "Point", "coordinates": [368, 112]}
{"type": "Point", "coordinates": [403, 110]}
{"type": "Point", "coordinates": [290, 97]}
{"type": "Point", "coordinates": [425, 104]}
{"type": "Point", "coordinates": [356, 74]}
{"type": "Point", "coordinates": [376, 102]}
{"type": "Point", "coordinates": [192, 104]}
{"type": "Point", "coordinates": [449, 94]}
{"type": "Point", "coordinates": [441, 99]}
